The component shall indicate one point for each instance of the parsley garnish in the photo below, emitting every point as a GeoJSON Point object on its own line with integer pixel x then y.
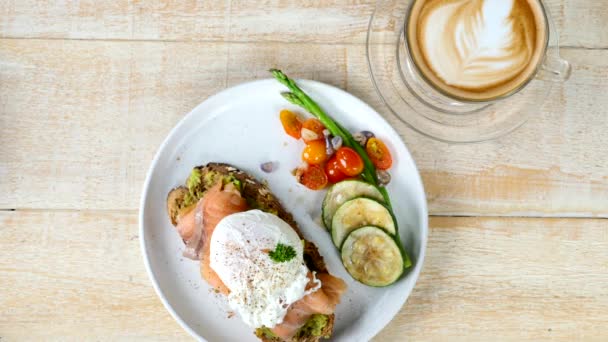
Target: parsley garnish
{"type": "Point", "coordinates": [282, 253]}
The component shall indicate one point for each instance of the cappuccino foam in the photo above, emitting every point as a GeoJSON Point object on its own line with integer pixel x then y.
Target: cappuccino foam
{"type": "Point", "coordinates": [477, 49]}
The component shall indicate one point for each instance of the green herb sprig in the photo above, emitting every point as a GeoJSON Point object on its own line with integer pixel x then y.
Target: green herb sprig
{"type": "Point", "coordinates": [282, 253]}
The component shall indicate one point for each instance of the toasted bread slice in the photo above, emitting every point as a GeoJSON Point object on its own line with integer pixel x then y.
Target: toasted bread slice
{"type": "Point", "coordinates": [258, 196]}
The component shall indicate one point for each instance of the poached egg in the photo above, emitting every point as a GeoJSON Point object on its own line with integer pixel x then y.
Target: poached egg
{"type": "Point", "coordinates": [261, 290]}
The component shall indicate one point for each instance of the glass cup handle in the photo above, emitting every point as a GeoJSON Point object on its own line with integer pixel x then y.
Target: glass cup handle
{"type": "Point", "coordinates": [554, 69]}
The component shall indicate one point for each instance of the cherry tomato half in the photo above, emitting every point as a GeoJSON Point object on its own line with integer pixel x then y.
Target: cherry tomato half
{"type": "Point", "coordinates": [291, 123]}
{"type": "Point", "coordinates": [314, 178]}
{"type": "Point", "coordinates": [314, 125]}
{"type": "Point", "coordinates": [349, 160]}
{"type": "Point", "coordinates": [379, 154]}
{"type": "Point", "coordinates": [314, 153]}
{"type": "Point", "coordinates": [332, 169]}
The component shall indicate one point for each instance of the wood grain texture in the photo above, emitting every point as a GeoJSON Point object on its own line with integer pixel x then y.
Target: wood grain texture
{"type": "Point", "coordinates": [488, 279]}
{"type": "Point", "coordinates": [580, 23]}
{"type": "Point", "coordinates": [556, 163]}
{"type": "Point", "coordinates": [81, 120]}
{"type": "Point", "coordinates": [80, 276]}
{"type": "Point", "coordinates": [75, 276]}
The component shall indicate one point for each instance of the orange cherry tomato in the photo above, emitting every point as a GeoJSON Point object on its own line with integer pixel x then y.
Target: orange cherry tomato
{"type": "Point", "coordinates": [379, 154]}
{"type": "Point", "coordinates": [314, 178]}
{"type": "Point", "coordinates": [291, 123]}
{"type": "Point", "coordinates": [314, 153]}
{"type": "Point", "coordinates": [315, 126]}
{"type": "Point", "coordinates": [332, 169]}
{"type": "Point", "coordinates": [349, 160]}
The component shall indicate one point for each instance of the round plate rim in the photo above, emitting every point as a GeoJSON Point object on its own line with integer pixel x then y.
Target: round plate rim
{"type": "Point", "coordinates": [415, 273]}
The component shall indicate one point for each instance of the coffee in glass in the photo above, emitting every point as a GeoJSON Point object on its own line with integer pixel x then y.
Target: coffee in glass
{"type": "Point", "coordinates": [477, 50]}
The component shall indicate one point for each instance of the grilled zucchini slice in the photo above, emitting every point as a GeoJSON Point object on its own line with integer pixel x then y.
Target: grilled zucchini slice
{"type": "Point", "coordinates": [357, 213]}
{"type": "Point", "coordinates": [344, 191]}
{"type": "Point", "coordinates": [372, 256]}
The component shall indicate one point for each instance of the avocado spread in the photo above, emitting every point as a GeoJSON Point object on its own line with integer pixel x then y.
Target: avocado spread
{"type": "Point", "coordinates": [197, 184]}
{"type": "Point", "coordinates": [313, 327]}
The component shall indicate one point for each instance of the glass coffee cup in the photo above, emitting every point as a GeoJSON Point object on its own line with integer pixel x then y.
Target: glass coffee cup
{"type": "Point", "coordinates": [437, 109]}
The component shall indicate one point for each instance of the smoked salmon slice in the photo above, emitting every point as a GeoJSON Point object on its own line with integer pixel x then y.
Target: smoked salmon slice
{"type": "Point", "coordinates": [322, 301]}
{"type": "Point", "coordinates": [333, 287]}
{"type": "Point", "coordinates": [196, 226]}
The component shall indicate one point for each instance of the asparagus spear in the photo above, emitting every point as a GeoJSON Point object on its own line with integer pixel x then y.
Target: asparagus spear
{"type": "Point", "coordinates": [300, 98]}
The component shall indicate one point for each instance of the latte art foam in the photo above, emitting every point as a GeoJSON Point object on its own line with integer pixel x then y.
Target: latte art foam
{"type": "Point", "coordinates": [475, 45]}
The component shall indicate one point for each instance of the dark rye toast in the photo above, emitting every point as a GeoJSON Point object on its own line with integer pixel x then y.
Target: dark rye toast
{"type": "Point", "coordinates": [258, 196]}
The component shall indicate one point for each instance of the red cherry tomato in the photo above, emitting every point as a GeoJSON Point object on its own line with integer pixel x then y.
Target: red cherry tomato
{"type": "Point", "coordinates": [314, 153]}
{"type": "Point", "coordinates": [291, 123]}
{"type": "Point", "coordinates": [379, 154]}
{"type": "Point", "coordinates": [349, 160]}
{"type": "Point", "coordinates": [314, 126]}
{"type": "Point", "coordinates": [332, 169]}
{"type": "Point", "coordinates": [314, 178]}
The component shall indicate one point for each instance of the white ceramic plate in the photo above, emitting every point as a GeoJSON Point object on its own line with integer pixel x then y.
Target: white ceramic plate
{"type": "Point", "coordinates": [240, 126]}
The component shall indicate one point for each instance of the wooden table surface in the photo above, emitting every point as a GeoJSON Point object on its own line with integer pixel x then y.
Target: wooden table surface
{"type": "Point", "coordinates": [518, 242]}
